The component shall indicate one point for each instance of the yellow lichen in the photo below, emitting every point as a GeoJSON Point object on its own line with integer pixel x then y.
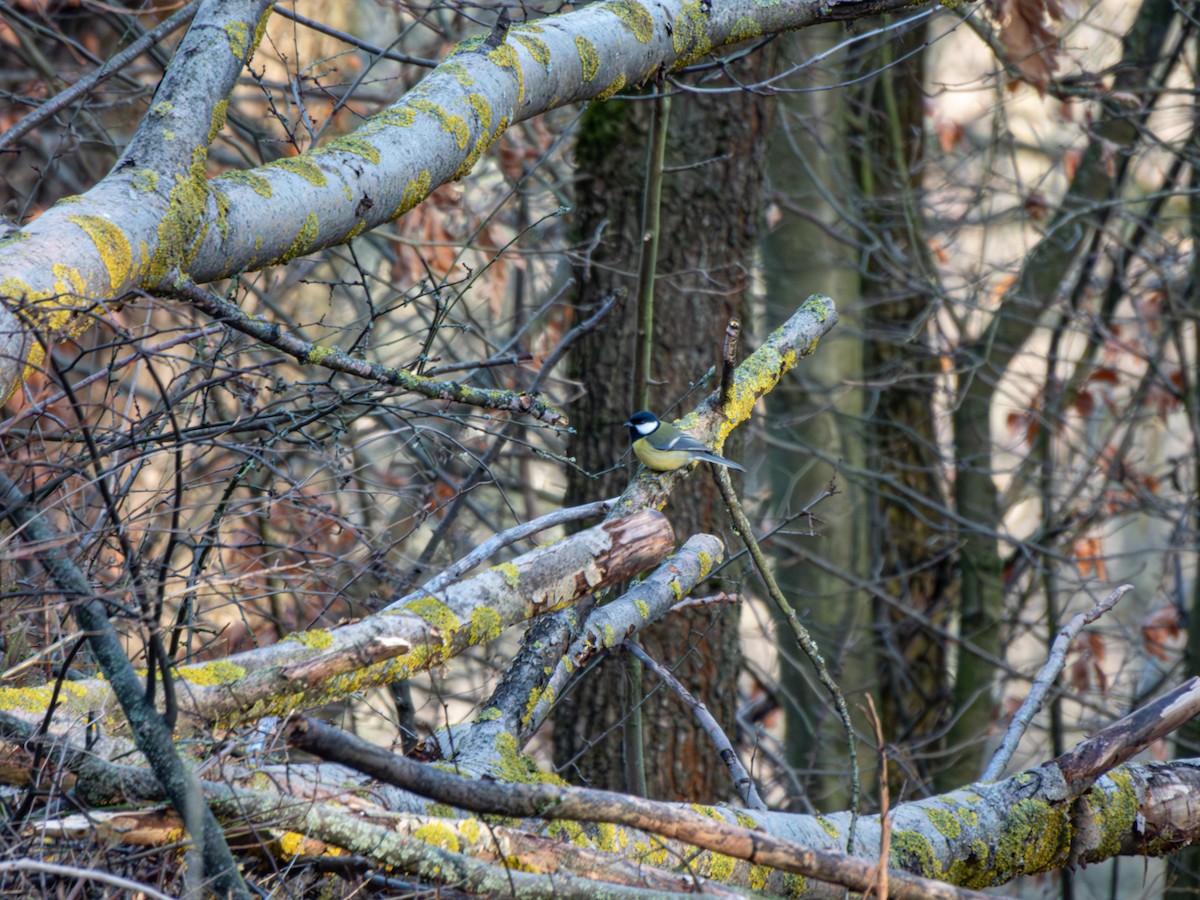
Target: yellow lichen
{"type": "Point", "coordinates": [485, 625]}
{"type": "Point", "coordinates": [744, 29]}
{"type": "Point", "coordinates": [437, 614]}
{"type": "Point", "coordinates": [290, 844]}
{"type": "Point", "coordinates": [589, 57]}
{"type": "Point", "coordinates": [617, 84]}
{"type": "Point", "coordinates": [314, 640]}
{"type": "Point", "coordinates": [304, 240]}
{"type": "Point", "coordinates": [414, 192]}
{"type": "Point", "coordinates": [145, 180]}
{"type": "Point", "coordinates": [219, 671]}
{"type": "Point", "coordinates": [437, 834]}
{"type": "Point", "coordinates": [218, 119]}
{"type": "Point", "coordinates": [355, 144]}
{"type": "Point", "coordinates": [505, 57]}
{"type": "Point", "coordinates": [635, 16]}
{"type": "Point", "coordinates": [690, 34]}
{"type": "Point", "coordinates": [253, 180]}
{"type": "Point", "coordinates": [112, 245]}
{"type": "Point", "coordinates": [455, 125]}
{"type": "Point", "coordinates": [236, 33]}
{"type": "Point", "coordinates": [512, 575]}
{"type": "Point", "coordinates": [537, 48]}
{"type": "Point", "coordinates": [302, 166]}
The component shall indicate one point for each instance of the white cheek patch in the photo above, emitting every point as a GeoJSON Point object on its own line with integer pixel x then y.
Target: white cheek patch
{"type": "Point", "coordinates": [646, 428]}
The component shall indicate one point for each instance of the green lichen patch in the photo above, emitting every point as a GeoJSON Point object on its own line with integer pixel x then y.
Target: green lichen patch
{"type": "Point", "coordinates": [912, 852]}
{"type": "Point", "coordinates": [145, 180]}
{"type": "Point", "coordinates": [302, 166]}
{"type": "Point", "coordinates": [252, 180]}
{"type": "Point", "coordinates": [355, 144]}
{"type": "Point", "coordinates": [945, 821]}
{"type": "Point", "coordinates": [744, 29]}
{"type": "Point", "coordinates": [1114, 814]}
{"type": "Point", "coordinates": [237, 34]}
{"type": "Point", "coordinates": [589, 57]}
{"type": "Point", "coordinates": [515, 767]}
{"type": "Point", "coordinates": [455, 125]}
{"type": "Point", "coordinates": [635, 16]}
{"type": "Point", "coordinates": [489, 715]}
{"type": "Point", "coordinates": [690, 35]}
{"type": "Point", "coordinates": [112, 246]}
{"type": "Point", "coordinates": [643, 609]}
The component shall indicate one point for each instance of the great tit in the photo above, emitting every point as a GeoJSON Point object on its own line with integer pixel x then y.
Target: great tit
{"type": "Point", "coordinates": [664, 447]}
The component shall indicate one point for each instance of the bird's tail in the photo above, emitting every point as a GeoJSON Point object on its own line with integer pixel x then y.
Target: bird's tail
{"type": "Point", "coordinates": [719, 460]}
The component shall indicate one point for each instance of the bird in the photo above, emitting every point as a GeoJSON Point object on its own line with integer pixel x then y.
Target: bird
{"type": "Point", "coordinates": [664, 447]}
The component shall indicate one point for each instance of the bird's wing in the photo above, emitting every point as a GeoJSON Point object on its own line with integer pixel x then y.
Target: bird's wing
{"type": "Point", "coordinates": [686, 443]}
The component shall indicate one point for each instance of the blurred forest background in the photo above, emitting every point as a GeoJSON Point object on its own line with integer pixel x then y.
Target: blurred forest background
{"type": "Point", "coordinates": [1001, 200]}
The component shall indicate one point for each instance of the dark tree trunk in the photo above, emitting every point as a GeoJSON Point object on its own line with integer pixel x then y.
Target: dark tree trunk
{"type": "Point", "coordinates": [710, 215]}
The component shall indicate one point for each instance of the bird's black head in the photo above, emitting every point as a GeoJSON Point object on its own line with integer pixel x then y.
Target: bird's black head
{"type": "Point", "coordinates": [641, 424]}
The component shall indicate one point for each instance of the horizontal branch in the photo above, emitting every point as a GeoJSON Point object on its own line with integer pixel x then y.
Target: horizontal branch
{"type": "Point", "coordinates": [156, 220]}
{"type": "Point", "coordinates": [314, 667]}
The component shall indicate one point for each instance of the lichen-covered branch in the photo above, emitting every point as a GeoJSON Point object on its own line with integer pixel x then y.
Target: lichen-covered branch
{"type": "Point", "coordinates": [157, 220]}
{"type": "Point", "coordinates": [314, 667]}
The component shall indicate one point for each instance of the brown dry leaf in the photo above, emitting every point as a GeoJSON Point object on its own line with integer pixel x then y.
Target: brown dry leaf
{"type": "Point", "coordinates": [1030, 44]}
{"type": "Point", "coordinates": [1162, 631]}
{"type": "Point", "coordinates": [950, 134]}
{"type": "Point", "coordinates": [1089, 558]}
{"type": "Point", "coordinates": [1071, 160]}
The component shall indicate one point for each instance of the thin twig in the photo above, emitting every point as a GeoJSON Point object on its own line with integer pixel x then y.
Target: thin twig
{"type": "Point", "coordinates": [1045, 679]}
{"type": "Point", "coordinates": [742, 525]}
{"type": "Point", "coordinates": [150, 733]}
{"type": "Point", "coordinates": [128, 885]}
{"type": "Point", "coordinates": [110, 68]}
{"type": "Point", "coordinates": [741, 778]}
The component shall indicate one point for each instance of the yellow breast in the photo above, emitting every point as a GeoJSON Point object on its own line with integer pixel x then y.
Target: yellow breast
{"type": "Point", "coordinates": [660, 460]}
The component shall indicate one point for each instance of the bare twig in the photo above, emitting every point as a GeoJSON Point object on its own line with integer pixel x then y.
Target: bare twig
{"type": "Point", "coordinates": [128, 885]}
{"type": "Point", "coordinates": [741, 778]}
{"type": "Point", "coordinates": [1045, 679]}
{"type": "Point", "coordinates": [339, 361]}
{"type": "Point", "coordinates": [110, 68]}
{"type": "Point", "coordinates": [150, 733]}
{"type": "Point", "coordinates": [381, 52]}
{"type": "Point", "coordinates": [742, 526]}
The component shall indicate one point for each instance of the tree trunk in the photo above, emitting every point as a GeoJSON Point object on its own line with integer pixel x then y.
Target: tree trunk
{"type": "Point", "coordinates": [710, 213]}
